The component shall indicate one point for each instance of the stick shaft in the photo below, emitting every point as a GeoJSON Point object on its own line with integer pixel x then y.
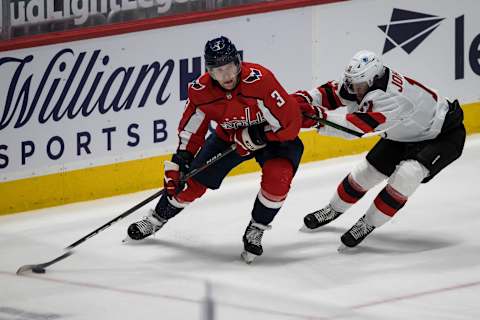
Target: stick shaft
{"type": "Point", "coordinates": [69, 251]}
{"type": "Point", "coordinates": [334, 125]}
{"type": "Point", "coordinates": [118, 218]}
{"type": "Point", "coordinates": [152, 197]}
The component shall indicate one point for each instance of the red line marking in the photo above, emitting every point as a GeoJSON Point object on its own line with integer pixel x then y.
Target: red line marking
{"type": "Point", "coordinates": [103, 287]}
{"type": "Point", "coordinates": [415, 295]}
{"type": "Point", "coordinates": [157, 295]}
{"type": "Point", "coordinates": [176, 298]}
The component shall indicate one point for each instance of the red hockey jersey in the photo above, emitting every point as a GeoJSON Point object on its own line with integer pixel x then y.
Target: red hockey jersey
{"type": "Point", "coordinates": [257, 98]}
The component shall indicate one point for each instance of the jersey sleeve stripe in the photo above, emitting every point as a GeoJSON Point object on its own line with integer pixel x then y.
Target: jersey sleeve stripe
{"type": "Point", "coordinates": [366, 122]}
{"type": "Point", "coordinates": [306, 95]}
{"type": "Point", "coordinates": [184, 139]}
{"type": "Point", "coordinates": [330, 99]}
{"type": "Point", "coordinates": [187, 134]}
{"type": "Point", "coordinates": [195, 121]}
{"type": "Point", "coordinates": [274, 122]}
{"type": "Point", "coordinates": [333, 88]}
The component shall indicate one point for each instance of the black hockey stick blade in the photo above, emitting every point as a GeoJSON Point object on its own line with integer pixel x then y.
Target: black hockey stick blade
{"type": "Point", "coordinates": [40, 268]}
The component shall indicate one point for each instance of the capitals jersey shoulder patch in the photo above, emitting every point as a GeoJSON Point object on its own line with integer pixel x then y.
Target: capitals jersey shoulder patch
{"type": "Point", "coordinates": [196, 85]}
{"type": "Point", "coordinates": [254, 75]}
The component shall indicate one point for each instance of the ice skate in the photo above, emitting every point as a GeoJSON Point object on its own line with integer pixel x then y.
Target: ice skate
{"type": "Point", "coordinates": [252, 241]}
{"type": "Point", "coordinates": [319, 218]}
{"type": "Point", "coordinates": [147, 226]}
{"type": "Point", "coordinates": [356, 234]}
{"type": "Point", "coordinates": [248, 257]}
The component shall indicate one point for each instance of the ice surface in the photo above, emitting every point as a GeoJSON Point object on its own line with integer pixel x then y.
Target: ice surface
{"type": "Point", "coordinates": [424, 264]}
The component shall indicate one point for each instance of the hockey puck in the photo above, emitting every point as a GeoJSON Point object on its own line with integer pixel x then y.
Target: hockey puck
{"type": "Point", "coordinates": [38, 270]}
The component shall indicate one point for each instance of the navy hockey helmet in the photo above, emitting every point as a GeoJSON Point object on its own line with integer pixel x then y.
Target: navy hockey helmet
{"type": "Point", "coordinates": [220, 51]}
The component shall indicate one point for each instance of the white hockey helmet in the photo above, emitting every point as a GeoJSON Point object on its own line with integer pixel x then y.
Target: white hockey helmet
{"type": "Point", "coordinates": [364, 67]}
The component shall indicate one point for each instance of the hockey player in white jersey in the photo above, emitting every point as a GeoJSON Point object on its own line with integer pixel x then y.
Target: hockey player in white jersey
{"type": "Point", "coordinates": [422, 132]}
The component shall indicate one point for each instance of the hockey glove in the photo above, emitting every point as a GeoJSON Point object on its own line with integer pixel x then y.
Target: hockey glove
{"type": "Point", "coordinates": [309, 111]}
{"type": "Point", "coordinates": [175, 171]}
{"type": "Point", "coordinates": [250, 139]}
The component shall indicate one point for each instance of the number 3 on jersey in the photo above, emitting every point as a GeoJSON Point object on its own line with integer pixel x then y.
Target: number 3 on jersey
{"type": "Point", "coordinates": [280, 101]}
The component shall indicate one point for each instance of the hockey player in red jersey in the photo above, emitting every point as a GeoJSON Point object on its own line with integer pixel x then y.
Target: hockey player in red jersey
{"type": "Point", "coordinates": [422, 133]}
{"type": "Point", "coordinates": [253, 111]}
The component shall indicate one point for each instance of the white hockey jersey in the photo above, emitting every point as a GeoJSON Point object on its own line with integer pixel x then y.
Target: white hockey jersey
{"type": "Point", "coordinates": [399, 107]}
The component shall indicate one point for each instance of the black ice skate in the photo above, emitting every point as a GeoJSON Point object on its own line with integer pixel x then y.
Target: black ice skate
{"type": "Point", "coordinates": [252, 241]}
{"type": "Point", "coordinates": [147, 226]}
{"type": "Point", "coordinates": [319, 218]}
{"type": "Point", "coordinates": [356, 234]}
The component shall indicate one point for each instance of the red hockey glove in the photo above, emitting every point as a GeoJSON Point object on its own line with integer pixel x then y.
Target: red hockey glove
{"type": "Point", "coordinates": [175, 171]}
{"type": "Point", "coordinates": [309, 115]}
{"type": "Point", "coordinates": [250, 139]}
{"type": "Point", "coordinates": [309, 111]}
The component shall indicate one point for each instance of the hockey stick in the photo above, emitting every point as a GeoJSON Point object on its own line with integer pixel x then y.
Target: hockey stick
{"type": "Point", "coordinates": [40, 268]}
{"type": "Point", "coordinates": [333, 125]}
{"type": "Point", "coordinates": [344, 129]}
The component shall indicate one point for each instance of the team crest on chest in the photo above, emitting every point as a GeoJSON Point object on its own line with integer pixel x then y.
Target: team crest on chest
{"type": "Point", "coordinates": [196, 85]}
{"type": "Point", "coordinates": [244, 120]}
{"type": "Point", "coordinates": [254, 75]}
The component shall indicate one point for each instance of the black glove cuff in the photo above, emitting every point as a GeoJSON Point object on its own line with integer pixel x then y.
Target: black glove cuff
{"type": "Point", "coordinates": [183, 158]}
{"type": "Point", "coordinates": [257, 133]}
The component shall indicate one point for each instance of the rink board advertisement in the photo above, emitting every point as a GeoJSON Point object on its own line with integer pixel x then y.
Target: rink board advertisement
{"type": "Point", "coordinates": [115, 99]}
{"type": "Point", "coordinates": [97, 117]}
{"type": "Point", "coordinates": [435, 42]}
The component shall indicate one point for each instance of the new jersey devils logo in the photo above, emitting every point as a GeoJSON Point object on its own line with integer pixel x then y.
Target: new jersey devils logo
{"type": "Point", "coordinates": [254, 75]}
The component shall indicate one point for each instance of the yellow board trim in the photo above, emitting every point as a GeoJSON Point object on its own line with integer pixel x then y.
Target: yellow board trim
{"type": "Point", "coordinates": [131, 176]}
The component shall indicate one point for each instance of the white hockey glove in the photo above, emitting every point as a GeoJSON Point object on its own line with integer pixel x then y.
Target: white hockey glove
{"type": "Point", "coordinates": [250, 139]}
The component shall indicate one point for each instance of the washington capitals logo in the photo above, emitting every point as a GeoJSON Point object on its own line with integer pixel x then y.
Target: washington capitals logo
{"type": "Point", "coordinates": [217, 45]}
{"type": "Point", "coordinates": [253, 76]}
{"type": "Point", "coordinates": [407, 29]}
{"type": "Point", "coordinates": [196, 85]}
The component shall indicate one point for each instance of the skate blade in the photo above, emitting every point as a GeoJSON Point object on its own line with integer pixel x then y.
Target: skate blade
{"type": "Point", "coordinates": [127, 240]}
{"type": "Point", "coordinates": [248, 257]}
{"type": "Point", "coordinates": [306, 229]}
{"type": "Point", "coordinates": [344, 249]}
